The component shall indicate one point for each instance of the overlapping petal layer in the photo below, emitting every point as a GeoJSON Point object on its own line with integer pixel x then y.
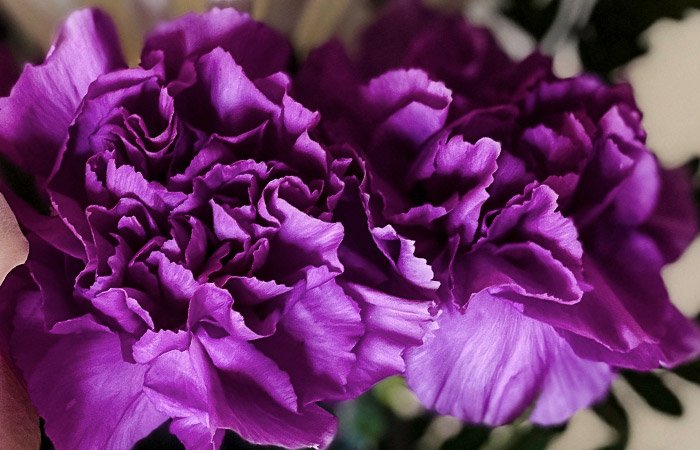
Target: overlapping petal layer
{"type": "Point", "coordinates": [189, 262]}
{"type": "Point", "coordinates": [531, 202]}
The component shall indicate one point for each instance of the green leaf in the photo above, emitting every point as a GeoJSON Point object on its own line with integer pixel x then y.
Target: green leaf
{"type": "Point", "coordinates": [362, 422]}
{"type": "Point", "coordinates": [653, 390]}
{"type": "Point", "coordinates": [534, 16]}
{"type": "Point", "coordinates": [403, 434]}
{"type": "Point", "coordinates": [693, 165]}
{"type": "Point", "coordinates": [614, 415]}
{"type": "Point", "coordinates": [470, 438]}
{"type": "Point", "coordinates": [611, 38]}
{"type": "Point", "coordinates": [536, 438]}
{"type": "Point", "coordinates": [689, 372]}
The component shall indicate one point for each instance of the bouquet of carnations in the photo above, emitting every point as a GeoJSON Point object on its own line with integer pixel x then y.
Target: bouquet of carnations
{"type": "Point", "coordinates": [221, 238]}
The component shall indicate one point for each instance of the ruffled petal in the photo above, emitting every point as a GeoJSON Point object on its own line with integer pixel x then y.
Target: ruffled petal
{"type": "Point", "coordinates": [674, 222]}
{"type": "Point", "coordinates": [177, 382]}
{"type": "Point", "coordinates": [49, 94]}
{"type": "Point", "coordinates": [235, 356]}
{"type": "Point", "coordinates": [317, 358]}
{"type": "Point", "coordinates": [103, 100]}
{"type": "Point", "coordinates": [327, 82]}
{"type": "Point", "coordinates": [100, 403]}
{"type": "Point", "coordinates": [228, 398]}
{"type": "Point", "coordinates": [572, 383]}
{"type": "Point", "coordinates": [483, 365]}
{"type": "Point", "coordinates": [315, 240]}
{"type": "Point", "coordinates": [623, 278]}
{"type": "Point", "coordinates": [520, 271]}
{"type": "Point", "coordinates": [194, 435]}
{"type": "Point", "coordinates": [259, 49]}
{"type": "Point", "coordinates": [681, 343]}
{"type": "Point", "coordinates": [401, 254]}
{"type": "Point", "coordinates": [224, 100]}
{"type": "Point", "coordinates": [456, 174]}
{"type": "Point", "coordinates": [392, 325]}
{"type": "Point", "coordinates": [260, 421]}
{"type": "Point", "coordinates": [402, 109]}
{"type": "Point", "coordinates": [488, 363]}
{"type": "Point", "coordinates": [535, 217]}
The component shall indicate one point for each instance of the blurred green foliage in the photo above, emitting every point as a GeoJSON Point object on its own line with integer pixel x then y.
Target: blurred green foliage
{"type": "Point", "coordinates": [612, 413]}
{"type": "Point", "coordinates": [534, 16]}
{"type": "Point", "coordinates": [611, 36]}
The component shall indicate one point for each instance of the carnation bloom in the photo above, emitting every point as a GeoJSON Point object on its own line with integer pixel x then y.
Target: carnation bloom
{"type": "Point", "coordinates": [187, 263]}
{"type": "Point", "coordinates": [528, 204]}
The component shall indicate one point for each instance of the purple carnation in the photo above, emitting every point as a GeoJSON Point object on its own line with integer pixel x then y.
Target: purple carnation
{"type": "Point", "coordinates": [529, 205]}
{"type": "Point", "coordinates": [188, 264]}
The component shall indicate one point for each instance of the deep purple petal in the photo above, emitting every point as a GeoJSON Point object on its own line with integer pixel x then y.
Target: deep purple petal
{"type": "Point", "coordinates": [610, 314]}
{"type": "Point", "coordinates": [520, 360]}
{"type": "Point", "coordinates": [226, 398]}
{"type": "Point", "coordinates": [674, 223]}
{"type": "Point", "coordinates": [318, 358]}
{"type": "Point", "coordinates": [49, 94]}
{"type": "Point", "coordinates": [259, 49]}
{"type": "Point", "coordinates": [392, 325]}
{"type": "Point", "coordinates": [512, 355]}
{"type": "Point", "coordinates": [401, 253]}
{"type": "Point", "coordinates": [572, 383]}
{"type": "Point", "coordinates": [224, 99]}
{"type": "Point", "coordinates": [100, 403]}
{"type": "Point", "coordinates": [251, 364]}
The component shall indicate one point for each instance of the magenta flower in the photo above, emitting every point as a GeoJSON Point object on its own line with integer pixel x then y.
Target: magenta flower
{"type": "Point", "coordinates": [189, 263]}
{"type": "Point", "coordinates": [529, 205]}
